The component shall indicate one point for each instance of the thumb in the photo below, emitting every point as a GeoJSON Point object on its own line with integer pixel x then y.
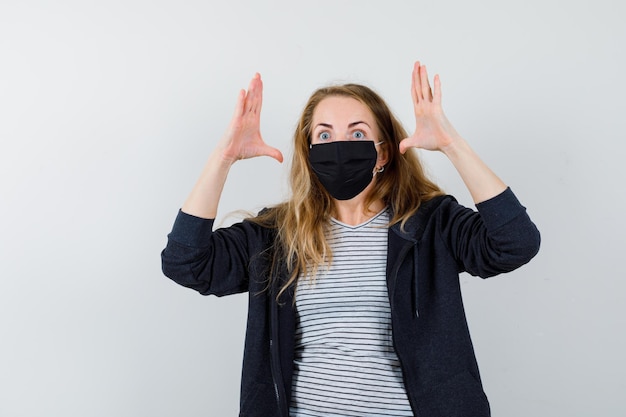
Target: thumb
{"type": "Point", "coordinates": [404, 145]}
{"type": "Point", "coordinates": [273, 153]}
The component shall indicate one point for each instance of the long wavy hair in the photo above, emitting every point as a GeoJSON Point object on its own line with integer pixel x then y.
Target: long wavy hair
{"type": "Point", "coordinates": [301, 221]}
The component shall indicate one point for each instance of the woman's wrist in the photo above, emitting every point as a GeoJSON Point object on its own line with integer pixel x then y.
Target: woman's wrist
{"type": "Point", "coordinates": [456, 147]}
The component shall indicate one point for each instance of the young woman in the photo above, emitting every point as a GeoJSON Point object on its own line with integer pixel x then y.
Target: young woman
{"type": "Point", "coordinates": [354, 298]}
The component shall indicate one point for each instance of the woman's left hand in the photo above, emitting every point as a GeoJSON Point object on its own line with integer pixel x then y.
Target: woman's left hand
{"type": "Point", "coordinates": [433, 131]}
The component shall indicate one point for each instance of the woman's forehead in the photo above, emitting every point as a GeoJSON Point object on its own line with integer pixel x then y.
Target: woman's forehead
{"type": "Point", "coordinates": [341, 111]}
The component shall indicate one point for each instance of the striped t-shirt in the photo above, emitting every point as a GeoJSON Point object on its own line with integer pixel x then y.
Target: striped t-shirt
{"type": "Point", "coordinates": [345, 363]}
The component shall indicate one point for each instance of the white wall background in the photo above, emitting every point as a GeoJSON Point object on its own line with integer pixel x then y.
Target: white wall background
{"type": "Point", "coordinates": [108, 111]}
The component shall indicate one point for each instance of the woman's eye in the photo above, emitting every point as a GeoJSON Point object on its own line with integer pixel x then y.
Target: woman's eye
{"type": "Point", "coordinates": [357, 134]}
{"type": "Point", "coordinates": [324, 136]}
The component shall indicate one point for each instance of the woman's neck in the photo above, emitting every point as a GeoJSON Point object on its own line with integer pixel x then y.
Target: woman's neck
{"type": "Point", "coordinates": [354, 212]}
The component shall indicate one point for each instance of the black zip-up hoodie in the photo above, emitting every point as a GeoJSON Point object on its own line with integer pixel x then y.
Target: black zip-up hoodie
{"type": "Point", "coordinates": [430, 331]}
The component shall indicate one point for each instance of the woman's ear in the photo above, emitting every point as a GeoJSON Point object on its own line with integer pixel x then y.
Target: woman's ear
{"type": "Point", "coordinates": [383, 155]}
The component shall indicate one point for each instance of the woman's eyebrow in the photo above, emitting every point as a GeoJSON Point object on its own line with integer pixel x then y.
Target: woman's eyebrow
{"type": "Point", "coordinates": [357, 123]}
{"type": "Point", "coordinates": [329, 126]}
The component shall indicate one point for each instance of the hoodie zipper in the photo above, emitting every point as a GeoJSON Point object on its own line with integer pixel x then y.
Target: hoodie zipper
{"type": "Point", "coordinates": [275, 377]}
{"type": "Point", "coordinates": [274, 354]}
{"type": "Point", "coordinates": [403, 253]}
{"type": "Point", "coordinates": [396, 267]}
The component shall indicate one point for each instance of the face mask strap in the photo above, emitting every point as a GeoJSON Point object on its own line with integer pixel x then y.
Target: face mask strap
{"type": "Point", "coordinates": [375, 144]}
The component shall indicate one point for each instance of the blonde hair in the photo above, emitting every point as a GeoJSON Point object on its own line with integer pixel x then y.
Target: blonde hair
{"type": "Point", "coordinates": [301, 221]}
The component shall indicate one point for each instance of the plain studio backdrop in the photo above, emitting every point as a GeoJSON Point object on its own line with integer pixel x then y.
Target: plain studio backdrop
{"type": "Point", "coordinates": [108, 111]}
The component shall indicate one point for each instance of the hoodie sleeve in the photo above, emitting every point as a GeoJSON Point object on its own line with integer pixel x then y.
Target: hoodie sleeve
{"type": "Point", "coordinates": [210, 262]}
{"type": "Point", "coordinates": [499, 238]}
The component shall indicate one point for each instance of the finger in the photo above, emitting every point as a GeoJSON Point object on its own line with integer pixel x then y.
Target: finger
{"type": "Point", "coordinates": [414, 95]}
{"type": "Point", "coordinates": [258, 102]}
{"type": "Point", "coordinates": [255, 94]}
{"type": "Point", "coordinates": [258, 93]}
{"type": "Point", "coordinates": [416, 82]}
{"type": "Point", "coordinates": [437, 97]}
{"type": "Point", "coordinates": [426, 91]}
{"type": "Point", "coordinates": [239, 106]}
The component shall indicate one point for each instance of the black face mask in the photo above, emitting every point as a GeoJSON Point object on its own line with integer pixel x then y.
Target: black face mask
{"type": "Point", "coordinates": [344, 168]}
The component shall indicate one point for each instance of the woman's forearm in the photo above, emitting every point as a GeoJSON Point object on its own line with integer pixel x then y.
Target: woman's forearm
{"type": "Point", "coordinates": [204, 198]}
{"type": "Point", "coordinates": [479, 179]}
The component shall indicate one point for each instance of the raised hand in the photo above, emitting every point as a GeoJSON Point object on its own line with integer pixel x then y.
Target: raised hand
{"type": "Point", "coordinates": [243, 138]}
{"type": "Point", "coordinates": [433, 131]}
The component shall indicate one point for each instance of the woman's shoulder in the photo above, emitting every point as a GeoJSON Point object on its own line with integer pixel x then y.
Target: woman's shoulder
{"type": "Point", "coordinates": [503, 210]}
{"type": "Point", "coordinates": [414, 225]}
{"type": "Point", "coordinates": [268, 217]}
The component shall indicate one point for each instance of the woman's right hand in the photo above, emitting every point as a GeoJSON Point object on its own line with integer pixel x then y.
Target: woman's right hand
{"type": "Point", "coordinates": [243, 138]}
